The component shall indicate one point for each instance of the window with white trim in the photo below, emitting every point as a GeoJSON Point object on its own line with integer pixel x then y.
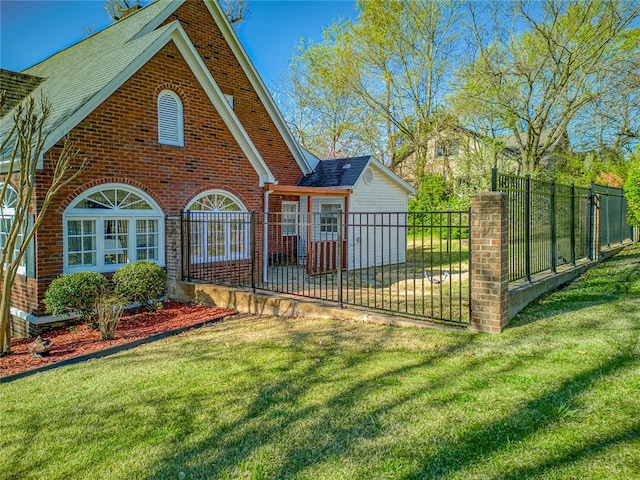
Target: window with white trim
{"type": "Point", "coordinates": [170, 119]}
{"type": "Point", "coordinates": [220, 227]}
{"type": "Point", "coordinates": [329, 217]}
{"type": "Point", "coordinates": [112, 225]}
{"type": "Point", "coordinates": [289, 218]}
{"type": "Point", "coordinates": [7, 216]}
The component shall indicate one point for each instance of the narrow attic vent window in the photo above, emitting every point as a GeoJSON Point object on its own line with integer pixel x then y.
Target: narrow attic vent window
{"type": "Point", "coordinates": [368, 176]}
{"type": "Point", "coordinates": [229, 100]}
{"type": "Point", "coordinates": [170, 119]}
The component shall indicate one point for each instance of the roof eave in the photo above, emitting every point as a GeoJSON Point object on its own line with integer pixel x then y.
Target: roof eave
{"type": "Point", "coordinates": [175, 33]}
{"type": "Point", "coordinates": [258, 84]}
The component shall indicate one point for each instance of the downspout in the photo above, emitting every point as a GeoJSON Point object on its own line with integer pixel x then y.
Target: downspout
{"type": "Point", "coordinates": [265, 234]}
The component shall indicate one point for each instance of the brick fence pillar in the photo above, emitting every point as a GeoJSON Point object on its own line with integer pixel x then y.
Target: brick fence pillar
{"type": "Point", "coordinates": [173, 250]}
{"type": "Point", "coordinates": [489, 262]}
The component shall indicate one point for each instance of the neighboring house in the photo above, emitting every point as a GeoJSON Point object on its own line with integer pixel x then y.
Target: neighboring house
{"type": "Point", "coordinates": [450, 152]}
{"type": "Point", "coordinates": [554, 155]}
{"type": "Point", "coordinates": [172, 116]}
{"type": "Point", "coordinates": [446, 152]}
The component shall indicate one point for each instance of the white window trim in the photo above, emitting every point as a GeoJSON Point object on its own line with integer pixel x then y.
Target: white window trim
{"type": "Point", "coordinates": [324, 235]}
{"type": "Point", "coordinates": [228, 214]}
{"type": "Point", "coordinates": [99, 216]}
{"type": "Point", "coordinates": [296, 217]}
{"type": "Point", "coordinates": [10, 213]}
{"type": "Point", "coordinates": [179, 120]}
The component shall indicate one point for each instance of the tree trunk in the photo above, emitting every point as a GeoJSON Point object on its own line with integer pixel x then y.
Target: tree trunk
{"type": "Point", "coordinates": [5, 316]}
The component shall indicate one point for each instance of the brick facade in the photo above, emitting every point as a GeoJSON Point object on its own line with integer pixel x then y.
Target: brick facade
{"type": "Point", "coordinates": [120, 141]}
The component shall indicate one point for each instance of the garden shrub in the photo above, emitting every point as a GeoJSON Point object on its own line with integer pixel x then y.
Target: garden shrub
{"type": "Point", "coordinates": [76, 292]}
{"type": "Point", "coordinates": [632, 191]}
{"type": "Point", "coordinates": [108, 311]}
{"type": "Point", "coordinates": [142, 282]}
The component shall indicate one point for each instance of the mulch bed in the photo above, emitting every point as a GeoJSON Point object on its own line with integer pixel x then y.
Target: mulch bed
{"type": "Point", "coordinates": [136, 324]}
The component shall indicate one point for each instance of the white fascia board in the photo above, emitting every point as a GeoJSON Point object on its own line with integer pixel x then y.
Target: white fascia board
{"type": "Point", "coordinates": [221, 104]}
{"type": "Point", "coordinates": [157, 21]}
{"type": "Point", "coordinates": [174, 33]}
{"type": "Point", "coordinates": [258, 85]}
{"type": "Point", "coordinates": [392, 176]}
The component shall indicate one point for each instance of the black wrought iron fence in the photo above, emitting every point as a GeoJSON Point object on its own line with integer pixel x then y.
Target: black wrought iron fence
{"type": "Point", "coordinates": [219, 247]}
{"type": "Point", "coordinates": [552, 224]}
{"type": "Point", "coordinates": [412, 264]}
{"type": "Point", "coordinates": [614, 228]}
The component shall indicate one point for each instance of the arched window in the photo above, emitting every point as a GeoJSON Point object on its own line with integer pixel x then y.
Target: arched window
{"type": "Point", "coordinates": [170, 119]}
{"type": "Point", "coordinates": [112, 225]}
{"type": "Point", "coordinates": [221, 229]}
{"type": "Point", "coordinates": [7, 215]}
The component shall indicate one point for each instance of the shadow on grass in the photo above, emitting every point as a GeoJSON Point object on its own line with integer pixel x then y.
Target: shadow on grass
{"type": "Point", "coordinates": [535, 416]}
{"type": "Point", "coordinates": [616, 278]}
{"type": "Point", "coordinates": [273, 414]}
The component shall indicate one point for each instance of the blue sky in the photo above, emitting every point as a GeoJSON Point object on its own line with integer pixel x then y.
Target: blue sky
{"type": "Point", "coordinates": [32, 30]}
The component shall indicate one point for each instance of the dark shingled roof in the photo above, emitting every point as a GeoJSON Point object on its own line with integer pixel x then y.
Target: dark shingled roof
{"type": "Point", "coordinates": [17, 86]}
{"type": "Point", "coordinates": [338, 172]}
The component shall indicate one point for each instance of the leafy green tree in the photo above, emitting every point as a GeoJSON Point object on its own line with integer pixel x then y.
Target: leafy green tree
{"type": "Point", "coordinates": [535, 83]}
{"type": "Point", "coordinates": [390, 66]}
{"type": "Point", "coordinates": [632, 190]}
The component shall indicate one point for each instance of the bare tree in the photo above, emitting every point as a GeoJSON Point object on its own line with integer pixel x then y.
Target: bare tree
{"type": "Point", "coordinates": [236, 11]}
{"type": "Point", "coordinates": [25, 144]}
{"type": "Point", "coordinates": [117, 9]}
{"type": "Point", "coordinates": [534, 84]}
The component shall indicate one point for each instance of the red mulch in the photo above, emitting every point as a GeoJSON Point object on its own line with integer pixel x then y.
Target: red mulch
{"type": "Point", "coordinates": [135, 324]}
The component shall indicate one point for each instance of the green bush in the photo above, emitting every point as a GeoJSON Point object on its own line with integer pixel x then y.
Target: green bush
{"type": "Point", "coordinates": [632, 191]}
{"type": "Point", "coordinates": [142, 282]}
{"type": "Point", "coordinates": [76, 292]}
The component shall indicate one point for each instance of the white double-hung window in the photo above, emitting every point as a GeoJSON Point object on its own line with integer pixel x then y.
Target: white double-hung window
{"type": "Point", "coordinates": [289, 218]}
{"type": "Point", "coordinates": [112, 225]}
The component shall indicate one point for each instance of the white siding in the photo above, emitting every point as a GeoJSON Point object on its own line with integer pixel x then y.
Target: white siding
{"type": "Point", "coordinates": [384, 241]}
{"type": "Point", "coordinates": [372, 239]}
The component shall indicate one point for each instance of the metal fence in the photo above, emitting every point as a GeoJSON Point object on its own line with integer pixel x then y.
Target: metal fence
{"type": "Point", "coordinates": [411, 264]}
{"type": "Point", "coordinates": [551, 224]}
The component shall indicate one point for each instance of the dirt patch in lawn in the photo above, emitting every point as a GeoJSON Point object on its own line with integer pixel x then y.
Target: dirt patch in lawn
{"type": "Point", "coordinates": [73, 341]}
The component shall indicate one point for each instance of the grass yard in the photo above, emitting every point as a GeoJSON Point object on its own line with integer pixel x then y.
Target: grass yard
{"type": "Point", "coordinates": [557, 396]}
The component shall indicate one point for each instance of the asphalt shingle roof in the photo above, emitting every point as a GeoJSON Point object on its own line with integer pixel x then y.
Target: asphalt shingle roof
{"type": "Point", "coordinates": [93, 63]}
{"type": "Point", "coordinates": [338, 172]}
{"type": "Point", "coordinates": [16, 86]}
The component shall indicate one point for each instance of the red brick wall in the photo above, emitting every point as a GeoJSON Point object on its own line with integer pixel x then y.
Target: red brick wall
{"type": "Point", "coordinates": [205, 35]}
{"type": "Point", "coordinates": [119, 140]}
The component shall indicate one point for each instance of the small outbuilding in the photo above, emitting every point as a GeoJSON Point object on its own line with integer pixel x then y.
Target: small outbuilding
{"type": "Point", "coordinates": [373, 201]}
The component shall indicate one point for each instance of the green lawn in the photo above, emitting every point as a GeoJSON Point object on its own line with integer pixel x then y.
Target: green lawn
{"type": "Point", "coordinates": [556, 396]}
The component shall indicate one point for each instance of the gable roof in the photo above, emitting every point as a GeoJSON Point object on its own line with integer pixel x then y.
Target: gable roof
{"type": "Point", "coordinates": [337, 172]}
{"type": "Point", "coordinates": [345, 172]}
{"type": "Point", "coordinates": [104, 61]}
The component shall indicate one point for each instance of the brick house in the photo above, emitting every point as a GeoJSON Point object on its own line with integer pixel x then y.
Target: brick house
{"type": "Point", "coordinates": [172, 116]}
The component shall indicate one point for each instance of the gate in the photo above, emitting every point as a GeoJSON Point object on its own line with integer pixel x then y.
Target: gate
{"type": "Point", "coordinates": [413, 264]}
